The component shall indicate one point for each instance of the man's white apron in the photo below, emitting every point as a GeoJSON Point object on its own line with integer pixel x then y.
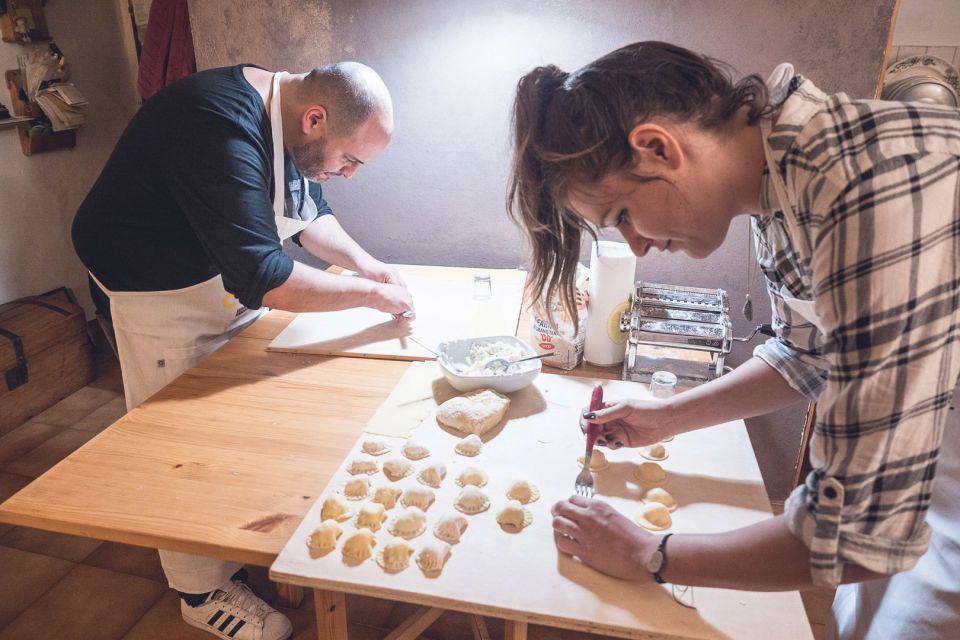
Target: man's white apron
{"type": "Point", "coordinates": [161, 334]}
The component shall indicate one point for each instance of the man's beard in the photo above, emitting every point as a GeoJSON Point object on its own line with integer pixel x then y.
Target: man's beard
{"type": "Point", "coordinates": [309, 159]}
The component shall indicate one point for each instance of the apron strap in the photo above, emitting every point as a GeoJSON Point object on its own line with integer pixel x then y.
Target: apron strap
{"type": "Point", "coordinates": [276, 127]}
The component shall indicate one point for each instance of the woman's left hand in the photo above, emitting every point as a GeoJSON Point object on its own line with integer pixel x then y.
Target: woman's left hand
{"type": "Point", "coordinates": [603, 538]}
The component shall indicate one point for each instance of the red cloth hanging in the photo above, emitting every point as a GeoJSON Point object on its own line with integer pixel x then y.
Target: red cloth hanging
{"type": "Point", "coordinates": [167, 53]}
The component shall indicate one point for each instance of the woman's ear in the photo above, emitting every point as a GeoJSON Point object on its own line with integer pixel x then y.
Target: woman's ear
{"type": "Point", "coordinates": [655, 148]}
{"type": "Point", "coordinates": [314, 120]}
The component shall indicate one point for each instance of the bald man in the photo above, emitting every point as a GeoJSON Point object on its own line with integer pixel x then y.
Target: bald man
{"type": "Point", "coordinates": [182, 235]}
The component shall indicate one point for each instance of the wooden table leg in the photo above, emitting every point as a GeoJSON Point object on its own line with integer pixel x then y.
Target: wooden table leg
{"type": "Point", "coordinates": [290, 596]}
{"type": "Point", "coordinates": [416, 624]}
{"type": "Point", "coordinates": [331, 610]}
{"type": "Point", "coordinates": [514, 630]}
{"type": "Point", "coordinates": [479, 628]}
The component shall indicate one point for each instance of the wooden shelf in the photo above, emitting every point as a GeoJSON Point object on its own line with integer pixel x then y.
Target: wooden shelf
{"type": "Point", "coordinates": [48, 140]}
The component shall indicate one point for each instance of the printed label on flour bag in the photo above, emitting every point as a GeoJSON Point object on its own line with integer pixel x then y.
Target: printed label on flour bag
{"type": "Point", "coordinates": [566, 349]}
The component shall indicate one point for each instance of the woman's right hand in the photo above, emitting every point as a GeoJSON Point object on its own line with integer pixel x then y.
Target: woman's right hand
{"type": "Point", "coordinates": [630, 423]}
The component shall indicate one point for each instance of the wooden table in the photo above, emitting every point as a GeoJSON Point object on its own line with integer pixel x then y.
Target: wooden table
{"type": "Point", "coordinates": [224, 462]}
{"type": "Point", "coordinates": [227, 459]}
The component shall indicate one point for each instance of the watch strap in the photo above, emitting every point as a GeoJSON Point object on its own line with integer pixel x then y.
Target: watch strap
{"type": "Point", "coordinates": [662, 550]}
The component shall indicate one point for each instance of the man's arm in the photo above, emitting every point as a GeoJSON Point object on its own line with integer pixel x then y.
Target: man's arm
{"type": "Point", "coordinates": [327, 240]}
{"type": "Point", "coordinates": [310, 289]}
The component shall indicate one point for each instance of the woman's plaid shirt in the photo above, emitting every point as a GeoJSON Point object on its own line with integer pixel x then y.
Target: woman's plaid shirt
{"type": "Point", "coordinates": [874, 187]}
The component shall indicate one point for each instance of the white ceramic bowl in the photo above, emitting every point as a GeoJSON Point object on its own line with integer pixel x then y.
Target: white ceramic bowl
{"type": "Point", "coordinates": [454, 360]}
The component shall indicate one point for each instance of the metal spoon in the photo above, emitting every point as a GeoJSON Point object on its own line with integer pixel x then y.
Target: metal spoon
{"type": "Point", "coordinates": [504, 364]}
{"type": "Point", "coordinates": [458, 368]}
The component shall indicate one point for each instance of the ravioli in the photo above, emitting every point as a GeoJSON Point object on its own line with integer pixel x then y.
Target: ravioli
{"type": "Point", "coordinates": [325, 536]}
{"type": "Point", "coordinates": [419, 497]}
{"type": "Point", "coordinates": [414, 450]}
{"type": "Point", "coordinates": [371, 516]}
{"type": "Point", "coordinates": [395, 555]}
{"type": "Point", "coordinates": [365, 465]}
{"type": "Point", "coordinates": [387, 496]}
{"type": "Point", "coordinates": [408, 523]}
{"type": "Point", "coordinates": [375, 446]}
{"type": "Point", "coordinates": [471, 501]}
{"type": "Point", "coordinates": [433, 556]}
{"type": "Point", "coordinates": [397, 468]}
{"type": "Point", "coordinates": [357, 488]}
{"type": "Point", "coordinates": [514, 517]}
{"type": "Point", "coordinates": [359, 546]}
{"type": "Point", "coordinates": [334, 508]}
{"type": "Point", "coordinates": [523, 492]}
{"type": "Point", "coordinates": [472, 476]}
{"type": "Point", "coordinates": [471, 446]}
{"type": "Point", "coordinates": [449, 528]}
{"type": "Point", "coordinates": [432, 475]}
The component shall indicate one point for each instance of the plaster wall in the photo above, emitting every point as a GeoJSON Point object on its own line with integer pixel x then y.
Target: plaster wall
{"type": "Point", "coordinates": [40, 194]}
{"type": "Point", "coordinates": [436, 196]}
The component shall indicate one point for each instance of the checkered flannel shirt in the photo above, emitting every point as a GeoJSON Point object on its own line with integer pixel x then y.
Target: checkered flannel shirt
{"type": "Point", "coordinates": [874, 186]}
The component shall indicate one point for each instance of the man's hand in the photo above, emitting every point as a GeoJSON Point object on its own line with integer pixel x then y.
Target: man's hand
{"type": "Point", "coordinates": [381, 272]}
{"type": "Point", "coordinates": [629, 423]}
{"type": "Point", "coordinates": [602, 538]}
{"type": "Point", "coordinates": [392, 298]}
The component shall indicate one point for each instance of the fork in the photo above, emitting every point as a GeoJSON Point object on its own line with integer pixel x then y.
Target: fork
{"type": "Point", "coordinates": [583, 485]}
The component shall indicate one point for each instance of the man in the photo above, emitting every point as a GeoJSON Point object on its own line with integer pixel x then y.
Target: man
{"type": "Point", "coordinates": [182, 236]}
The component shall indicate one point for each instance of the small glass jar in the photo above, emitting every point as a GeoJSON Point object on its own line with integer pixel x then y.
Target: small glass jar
{"type": "Point", "coordinates": [481, 287]}
{"type": "Point", "coordinates": [663, 384]}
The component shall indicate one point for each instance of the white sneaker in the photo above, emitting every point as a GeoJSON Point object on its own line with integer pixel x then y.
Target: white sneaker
{"type": "Point", "coordinates": [237, 614]}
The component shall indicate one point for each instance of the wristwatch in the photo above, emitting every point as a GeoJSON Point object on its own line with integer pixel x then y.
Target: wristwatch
{"type": "Point", "coordinates": [658, 561]}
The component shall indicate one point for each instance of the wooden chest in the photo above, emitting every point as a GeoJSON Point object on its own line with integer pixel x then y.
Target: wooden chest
{"type": "Point", "coordinates": [45, 354]}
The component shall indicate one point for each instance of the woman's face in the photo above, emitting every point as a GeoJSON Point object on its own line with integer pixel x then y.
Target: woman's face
{"type": "Point", "coordinates": [654, 214]}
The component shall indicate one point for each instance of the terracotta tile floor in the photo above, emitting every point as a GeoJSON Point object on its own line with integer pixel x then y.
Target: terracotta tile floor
{"type": "Point", "coordinates": [66, 587]}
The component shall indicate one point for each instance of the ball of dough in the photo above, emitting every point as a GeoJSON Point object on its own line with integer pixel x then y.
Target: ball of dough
{"type": "Point", "coordinates": [660, 495]}
{"type": "Point", "coordinates": [650, 473]}
{"type": "Point", "coordinates": [654, 452]}
{"type": "Point", "coordinates": [654, 516]}
{"type": "Point", "coordinates": [598, 461]}
{"type": "Point", "coordinates": [476, 412]}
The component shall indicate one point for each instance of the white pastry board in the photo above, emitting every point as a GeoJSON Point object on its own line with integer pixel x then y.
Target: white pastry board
{"type": "Point", "coordinates": [446, 310]}
{"type": "Point", "coordinates": [712, 473]}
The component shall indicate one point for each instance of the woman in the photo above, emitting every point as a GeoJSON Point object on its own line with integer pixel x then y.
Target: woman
{"type": "Point", "coordinates": [855, 218]}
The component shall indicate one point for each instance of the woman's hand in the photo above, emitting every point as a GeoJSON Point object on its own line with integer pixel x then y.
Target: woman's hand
{"type": "Point", "coordinates": [602, 538]}
{"type": "Point", "coordinates": [630, 423]}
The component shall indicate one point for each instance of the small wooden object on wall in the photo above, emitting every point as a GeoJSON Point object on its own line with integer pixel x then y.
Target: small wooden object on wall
{"type": "Point", "coordinates": [24, 22]}
{"type": "Point", "coordinates": [47, 140]}
{"type": "Point", "coordinates": [45, 354]}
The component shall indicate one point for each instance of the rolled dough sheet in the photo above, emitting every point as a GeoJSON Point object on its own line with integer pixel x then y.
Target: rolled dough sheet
{"type": "Point", "coordinates": [418, 392]}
